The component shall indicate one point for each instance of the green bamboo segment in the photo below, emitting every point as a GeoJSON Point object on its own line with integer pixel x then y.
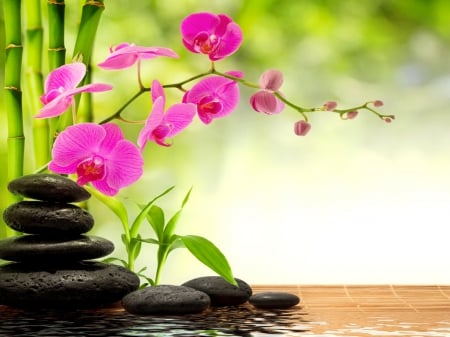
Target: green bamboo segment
{"type": "Point", "coordinates": [56, 46]}
{"type": "Point", "coordinates": [33, 88]}
{"type": "Point", "coordinates": [13, 93]}
{"type": "Point", "coordinates": [84, 111]}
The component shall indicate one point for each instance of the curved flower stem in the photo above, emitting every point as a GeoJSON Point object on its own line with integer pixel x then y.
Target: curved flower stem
{"type": "Point", "coordinates": [124, 106]}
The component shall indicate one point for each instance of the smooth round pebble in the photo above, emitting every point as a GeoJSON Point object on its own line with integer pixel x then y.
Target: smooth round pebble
{"type": "Point", "coordinates": [53, 249]}
{"type": "Point", "coordinates": [166, 299]}
{"type": "Point", "coordinates": [48, 187]}
{"type": "Point", "coordinates": [274, 300]}
{"type": "Point", "coordinates": [221, 292]}
{"type": "Point", "coordinates": [67, 286]}
{"type": "Point", "coordinates": [42, 217]}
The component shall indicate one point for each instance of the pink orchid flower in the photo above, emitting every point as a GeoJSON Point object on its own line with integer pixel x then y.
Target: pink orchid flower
{"type": "Point", "coordinates": [215, 97]}
{"type": "Point", "coordinates": [98, 154]}
{"type": "Point", "coordinates": [125, 55]}
{"type": "Point", "coordinates": [160, 125]}
{"type": "Point", "coordinates": [265, 100]}
{"type": "Point", "coordinates": [301, 128]}
{"type": "Point", "coordinates": [61, 86]}
{"type": "Point", "coordinates": [214, 35]}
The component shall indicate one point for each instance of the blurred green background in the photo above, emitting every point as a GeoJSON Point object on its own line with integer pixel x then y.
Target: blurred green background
{"type": "Point", "coordinates": [357, 201]}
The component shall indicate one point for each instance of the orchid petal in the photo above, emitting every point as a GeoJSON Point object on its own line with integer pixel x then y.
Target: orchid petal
{"type": "Point", "coordinates": [157, 91]}
{"type": "Point", "coordinates": [67, 76]}
{"type": "Point", "coordinates": [179, 116]}
{"type": "Point", "coordinates": [271, 79]}
{"type": "Point", "coordinates": [154, 119]}
{"type": "Point", "coordinates": [267, 102]}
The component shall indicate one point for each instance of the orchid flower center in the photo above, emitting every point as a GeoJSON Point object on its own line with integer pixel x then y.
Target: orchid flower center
{"type": "Point", "coordinates": [52, 94]}
{"type": "Point", "coordinates": [91, 169]}
{"type": "Point", "coordinates": [161, 132]}
{"type": "Point", "coordinates": [205, 43]}
{"type": "Point", "coordinates": [208, 105]}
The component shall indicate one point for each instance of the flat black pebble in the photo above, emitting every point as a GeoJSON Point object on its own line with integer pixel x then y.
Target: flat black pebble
{"type": "Point", "coordinates": [42, 217]}
{"type": "Point", "coordinates": [70, 285]}
{"type": "Point", "coordinates": [53, 249]}
{"type": "Point", "coordinates": [48, 187]}
{"type": "Point", "coordinates": [221, 292]}
{"type": "Point", "coordinates": [166, 299]}
{"type": "Point", "coordinates": [274, 300]}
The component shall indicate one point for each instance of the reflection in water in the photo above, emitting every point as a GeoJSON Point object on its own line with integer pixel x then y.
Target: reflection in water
{"type": "Point", "coordinates": [236, 321]}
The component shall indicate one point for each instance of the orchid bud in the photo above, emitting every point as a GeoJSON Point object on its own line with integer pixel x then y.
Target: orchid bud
{"type": "Point", "coordinates": [350, 114]}
{"type": "Point", "coordinates": [378, 103]}
{"type": "Point", "coordinates": [330, 105]}
{"type": "Point", "coordinates": [301, 128]}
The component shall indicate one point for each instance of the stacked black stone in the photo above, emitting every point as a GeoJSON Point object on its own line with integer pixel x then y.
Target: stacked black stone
{"type": "Point", "coordinates": [50, 265]}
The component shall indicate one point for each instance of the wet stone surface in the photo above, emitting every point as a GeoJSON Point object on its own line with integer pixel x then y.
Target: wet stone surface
{"type": "Point", "coordinates": [39, 217]}
{"type": "Point", "coordinates": [166, 299]}
{"type": "Point", "coordinates": [48, 187]}
{"type": "Point", "coordinates": [220, 291]}
{"type": "Point", "coordinates": [65, 285]}
{"type": "Point", "coordinates": [274, 300]}
{"type": "Point", "coordinates": [44, 248]}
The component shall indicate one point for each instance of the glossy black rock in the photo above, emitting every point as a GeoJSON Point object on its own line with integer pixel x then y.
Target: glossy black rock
{"type": "Point", "coordinates": [41, 217]}
{"type": "Point", "coordinates": [42, 248]}
{"type": "Point", "coordinates": [166, 299]}
{"type": "Point", "coordinates": [274, 300]}
{"type": "Point", "coordinates": [220, 291]}
{"type": "Point", "coordinates": [48, 187]}
{"type": "Point", "coordinates": [69, 285]}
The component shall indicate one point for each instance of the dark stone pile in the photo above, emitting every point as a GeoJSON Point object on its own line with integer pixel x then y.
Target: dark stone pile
{"type": "Point", "coordinates": [51, 263]}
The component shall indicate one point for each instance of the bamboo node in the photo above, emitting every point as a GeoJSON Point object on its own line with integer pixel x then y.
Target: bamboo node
{"type": "Point", "coordinates": [13, 45]}
{"type": "Point", "coordinates": [57, 49]}
{"type": "Point", "coordinates": [96, 3]}
{"type": "Point", "coordinates": [56, 2]}
{"type": "Point", "coordinates": [12, 88]}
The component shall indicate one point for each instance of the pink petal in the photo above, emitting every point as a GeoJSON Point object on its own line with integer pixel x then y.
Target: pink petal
{"type": "Point", "coordinates": [180, 116]}
{"type": "Point", "coordinates": [157, 91]}
{"type": "Point", "coordinates": [231, 42]}
{"type": "Point", "coordinates": [271, 79]}
{"type": "Point", "coordinates": [67, 76]}
{"type": "Point", "coordinates": [196, 23]}
{"type": "Point", "coordinates": [102, 186]}
{"type": "Point", "coordinates": [113, 136]}
{"type": "Point", "coordinates": [76, 143]}
{"type": "Point", "coordinates": [154, 119]}
{"type": "Point", "coordinates": [265, 101]}
{"type": "Point", "coordinates": [124, 165]}
{"type": "Point", "coordinates": [119, 61]}
{"type": "Point", "coordinates": [56, 107]}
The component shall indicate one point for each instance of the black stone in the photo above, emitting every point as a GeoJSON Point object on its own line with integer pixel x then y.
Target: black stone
{"type": "Point", "coordinates": [75, 285]}
{"type": "Point", "coordinates": [54, 249]}
{"type": "Point", "coordinates": [48, 187]}
{"type": "Point", "coordinates": [274, 300]}
{"type": "Point", "coordinates": [166, 299]}
{"type": "Point", "coordinates": [221, 292]}
{"type": "Point", "coordinates": [41, 217]}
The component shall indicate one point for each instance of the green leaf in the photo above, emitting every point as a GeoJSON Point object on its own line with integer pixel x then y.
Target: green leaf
{"type": "Point", "coordinates": [143, 214]}
{"type": "Point", "coordinates": [170, 227]}
{"type": "Point", "coordinates": [157, 221]}
{"type": "Point", "coordinates": [207, 253]}
{"type": "Point", "coordinates": [135, 247]}
{"type": "Point", "coordinates": [115, 259]}
{"type": "Point", "coordinates": [150, 240]}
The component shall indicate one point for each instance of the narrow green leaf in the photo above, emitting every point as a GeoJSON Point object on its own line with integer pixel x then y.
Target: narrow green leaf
{"type": "Point", "coordinates": [186, 198]}
{"type": "Point", "coordinates": [157, 221]}
{"type": "Point", "coordinates": [170, 227]}
{"type": "Point", "coordinates": [135, 247]}
{"type": "Point", "coordinates": [143, 214]}
{"type": "Point", "coordinates": [150, 240]}
{"type": "Point", "coordinates": [115, 259]}
{"type": "Point", "coordinates": [207, 253]}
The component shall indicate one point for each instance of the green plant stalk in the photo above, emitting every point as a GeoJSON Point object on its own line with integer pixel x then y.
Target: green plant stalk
{"type": "Point", "coordinates": [13, 94]}
{"type": "Point", "coordinates": [56, 47]}
{"type": "Point", "coordinates": [84, 45]}
{"type": "Point", "coordinates": [33, 88]}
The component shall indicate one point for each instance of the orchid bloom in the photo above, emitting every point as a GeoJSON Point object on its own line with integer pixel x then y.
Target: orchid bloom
{"type": "Point", "coordinates": [160, 125]}
{"type": "Point", "coordinates": [61, 86]}
{"type": "Point", "coordinates": [125, 55]}
{"type": "Point", "coordinates": [215, 97]}
{"type": "Point", "coordinates": [214, 35]}
{"type": "Point", "coordinates": [265, 100]}
{"type": "Point", "coordinates": [98, 154]}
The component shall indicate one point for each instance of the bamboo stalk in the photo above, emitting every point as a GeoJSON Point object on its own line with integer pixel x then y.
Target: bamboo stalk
{"type": "Point", "coordinates": [33, 87]}
{"type": "Point", "coordinates": [56, 47]}
{"type": "Point", "coordinates": [84, 45]}
{"type": "Point", "coordinates": [13, 94]}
